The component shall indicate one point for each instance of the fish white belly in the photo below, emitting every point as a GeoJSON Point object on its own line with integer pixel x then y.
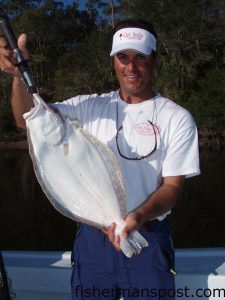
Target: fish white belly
{"type": "Point", "coordinates": [80, 175]}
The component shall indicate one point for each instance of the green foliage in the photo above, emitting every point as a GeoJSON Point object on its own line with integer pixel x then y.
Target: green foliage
{"type": "Point", "coordinates": [70, 51]}
{"type": "Point", "coordinates": [207, 104]}
{"type": "Point", "coordinates": [89, 69]}
{"type": "Point", "coordinates": [191, 45]}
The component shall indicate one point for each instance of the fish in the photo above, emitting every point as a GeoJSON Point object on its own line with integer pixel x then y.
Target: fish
{"type": "Point", "coordinates": [79, 174]}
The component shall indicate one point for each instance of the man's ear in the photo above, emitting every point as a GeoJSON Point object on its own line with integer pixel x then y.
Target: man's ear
{"type": "Point", "coordinates": [112, 62]}
{"type": "Point", "coordinates": [112, 65]}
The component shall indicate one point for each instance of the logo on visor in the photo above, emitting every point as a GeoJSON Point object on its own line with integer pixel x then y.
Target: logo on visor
{"type": "Point", "coordinates": [131, 36]}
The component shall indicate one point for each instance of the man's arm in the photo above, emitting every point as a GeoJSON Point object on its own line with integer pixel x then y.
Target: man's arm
{"type": "Point", "coordinates": [161, 201]}
{"type": "Point", "coordinates": [21, 101]}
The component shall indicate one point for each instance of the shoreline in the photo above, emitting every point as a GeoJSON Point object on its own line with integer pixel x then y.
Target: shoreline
{"type": "Point", "coordinates": [19, 145]}
{"type": "Point", "coordinates": [23, 145]}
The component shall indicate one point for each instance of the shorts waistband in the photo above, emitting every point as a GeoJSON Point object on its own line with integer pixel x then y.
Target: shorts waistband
{"type": "Point", "coordinates": [150, 223]}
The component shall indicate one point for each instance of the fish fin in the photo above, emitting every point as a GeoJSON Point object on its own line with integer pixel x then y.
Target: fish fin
{"type": "Point", "coordinates": [134, 244]}
{"type": "Point", "coordinates": [113, 168]}
{"type": "Point", "coordinates": [126, 247]}
{"type": "Point", "coordinates": [138, 240]}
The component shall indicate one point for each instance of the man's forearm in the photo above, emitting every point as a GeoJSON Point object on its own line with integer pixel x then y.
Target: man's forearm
{"type": "Point", "coordinates": [21, 101]}
{"type": "Point", "coordinates": [162, 200]}
{"type": "Point", "coordinates": [158, 203]}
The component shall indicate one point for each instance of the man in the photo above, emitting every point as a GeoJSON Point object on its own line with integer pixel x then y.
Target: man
{"type": "Point", "coordinates": [155, 141]}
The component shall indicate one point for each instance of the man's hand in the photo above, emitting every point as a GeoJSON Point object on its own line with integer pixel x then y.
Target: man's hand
{"type": "Point", "coordinates": [158, 203]}
{"type": "Point", "coordinates": [113, 238]}
{"type": "Point", "coordinates": [133, 222]}
{"type": "Point", "coordinates": [21, 100]}
{"type": "Point", "coordinates": [8, 63]}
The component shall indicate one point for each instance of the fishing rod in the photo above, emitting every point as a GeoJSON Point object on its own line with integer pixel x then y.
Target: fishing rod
{"type": "Point", "coordinates": [22, 62]}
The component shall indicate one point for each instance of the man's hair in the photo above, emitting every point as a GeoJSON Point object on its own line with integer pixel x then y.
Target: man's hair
{"type": "Point", "coordinates": [137, 24]}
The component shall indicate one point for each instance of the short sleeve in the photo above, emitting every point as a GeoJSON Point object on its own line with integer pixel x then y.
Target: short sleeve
{"type": "Point", "coordinates": [68, 108]}
{"type": "Point", "coordinates": [182, 153]}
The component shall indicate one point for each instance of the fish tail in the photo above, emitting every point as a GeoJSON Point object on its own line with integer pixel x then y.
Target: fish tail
{"type": "Point", "coordinates": [133, 244]}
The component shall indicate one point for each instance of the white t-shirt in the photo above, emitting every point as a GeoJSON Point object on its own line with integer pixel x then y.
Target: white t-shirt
{"type": "Point", "coordinates": [174, 134]}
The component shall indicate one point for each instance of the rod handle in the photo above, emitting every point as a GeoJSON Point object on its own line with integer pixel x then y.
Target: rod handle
{"type": "Point", "coordinates": [22, 63]}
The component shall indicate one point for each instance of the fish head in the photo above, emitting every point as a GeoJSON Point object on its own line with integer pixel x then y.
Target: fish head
{"type": "Point", "coordinates": [54, 129]}
{"type": "Point", "coordinates": [48, 125]}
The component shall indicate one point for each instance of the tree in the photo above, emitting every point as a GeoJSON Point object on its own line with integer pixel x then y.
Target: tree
{"type": "Point", "coordinates": [70, 50]}
{"type": "Point", "coordinates": [191, 45]}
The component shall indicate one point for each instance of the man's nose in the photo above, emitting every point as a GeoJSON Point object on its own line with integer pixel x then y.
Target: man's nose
{"type": "Point", "coordinates": [131, 65]}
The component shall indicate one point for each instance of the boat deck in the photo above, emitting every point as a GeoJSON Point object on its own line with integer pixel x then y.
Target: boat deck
{"type": "Point", "coordinates": [46, 275]}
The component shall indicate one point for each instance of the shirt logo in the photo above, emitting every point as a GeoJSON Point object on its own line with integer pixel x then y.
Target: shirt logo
{"type": "Point", "coordinates": [147, 129]}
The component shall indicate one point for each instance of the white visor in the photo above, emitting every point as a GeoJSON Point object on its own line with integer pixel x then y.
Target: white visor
{"type": "Point", "coordinates": [136, 39]}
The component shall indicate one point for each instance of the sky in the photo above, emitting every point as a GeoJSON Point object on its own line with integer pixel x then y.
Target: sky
{"type": "Point", "coordinates": [69, 2]}
{"type": "Point", "coordinates": [66, 2]}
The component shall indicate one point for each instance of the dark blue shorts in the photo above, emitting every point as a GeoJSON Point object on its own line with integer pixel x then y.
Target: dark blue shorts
{"type": "Point", "coordinates": [101, 272]}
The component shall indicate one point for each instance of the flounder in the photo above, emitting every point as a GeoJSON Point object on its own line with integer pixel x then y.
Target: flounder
{"type": "Point", "coordinates": [78, 173]}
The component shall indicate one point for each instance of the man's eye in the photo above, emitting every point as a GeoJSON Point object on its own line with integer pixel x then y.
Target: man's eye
{"type": "Point", "coordinates": [140, 57]}
{"type": "Point", "coordinates": [122, 57]}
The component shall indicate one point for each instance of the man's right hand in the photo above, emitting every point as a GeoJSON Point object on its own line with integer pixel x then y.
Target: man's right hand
{"type": "Point", "coordinates": [21, 100]}
{"type": "Point", "coordinates": [8, 63]}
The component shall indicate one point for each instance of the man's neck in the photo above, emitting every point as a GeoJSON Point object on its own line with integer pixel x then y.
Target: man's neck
{"type": "Point", "coordinates": [135, 99]}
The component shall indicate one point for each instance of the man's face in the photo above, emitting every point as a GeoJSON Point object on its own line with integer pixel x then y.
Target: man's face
{"type": "Point", "coordinates": [134, 72]}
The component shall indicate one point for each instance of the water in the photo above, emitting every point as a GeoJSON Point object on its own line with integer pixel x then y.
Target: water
{"type": "Point", "coordinates": [29, 222]}
{"type": "Point", "coordinates": [198, 219]}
